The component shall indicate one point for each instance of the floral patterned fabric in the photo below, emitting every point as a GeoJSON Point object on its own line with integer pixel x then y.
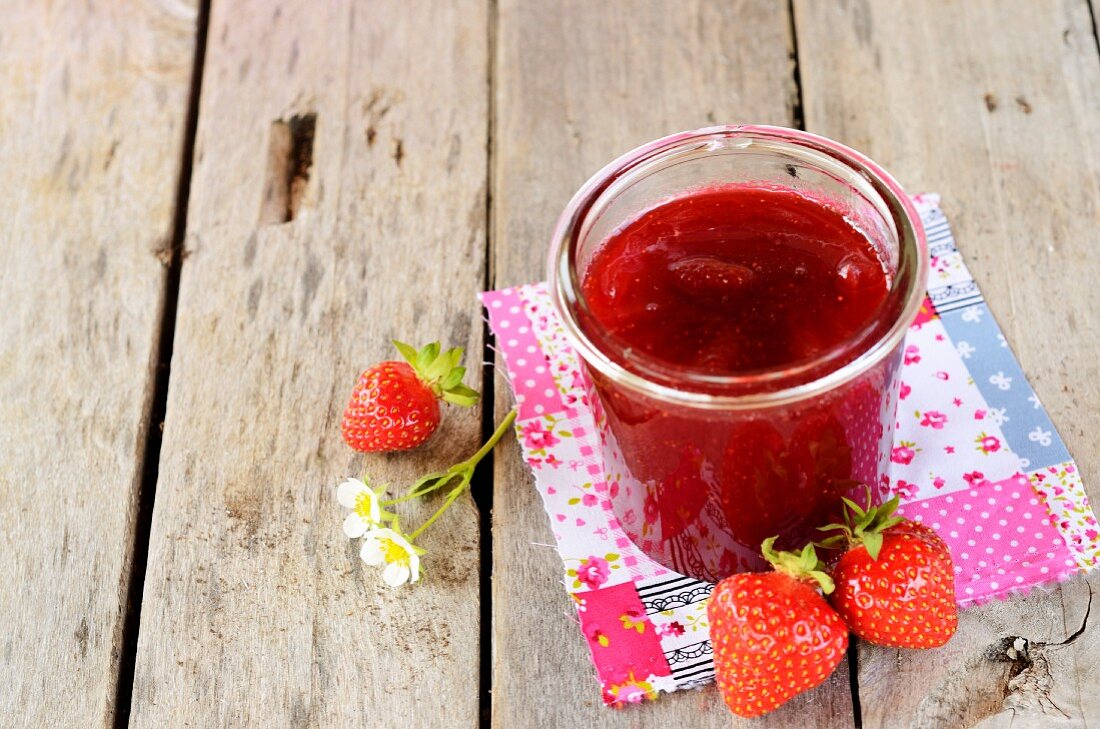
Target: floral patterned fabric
{"type": "Point", "coordinates": [975, 457]}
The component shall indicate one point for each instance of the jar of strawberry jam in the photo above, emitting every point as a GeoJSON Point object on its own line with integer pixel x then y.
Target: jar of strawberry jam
{"type": "Point", "coordinates": [739, 297]}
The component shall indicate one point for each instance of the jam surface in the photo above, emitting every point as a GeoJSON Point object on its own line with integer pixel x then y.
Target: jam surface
{"type": "Point", "coordinates": [734, 279]}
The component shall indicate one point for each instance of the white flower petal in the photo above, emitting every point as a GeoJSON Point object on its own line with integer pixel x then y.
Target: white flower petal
{"type": "Point", "coordinates": [354, 526]}
{"type": "Point", "coordinates": [371, 552]}
{"type": "Point", "coordinates": [348, 492]}
{"type": "Point", "coordinates": [395, 574]}
{"type": "Point", "coordinates": [399, 540]}
{"type": "Point", "coordinates": [385, 533]}
{"type": "Point", "coordinates": [414, 566]}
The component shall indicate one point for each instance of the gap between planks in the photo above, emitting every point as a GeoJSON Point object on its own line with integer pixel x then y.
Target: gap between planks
{"type": "Point", "coordinates": [1095, 28]}
{"type": "Point", "coordinates": [798, 119]}
{"type": "Point", "coordinates": [484, 484]}
{"type": "Point", "coordinates": [172, 257]}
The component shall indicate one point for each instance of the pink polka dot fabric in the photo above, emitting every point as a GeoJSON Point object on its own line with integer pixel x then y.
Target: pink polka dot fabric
{"type": "Point", "coordinates": [534, 387]}
{"type": "Point", "coordinates": [1001, 538]}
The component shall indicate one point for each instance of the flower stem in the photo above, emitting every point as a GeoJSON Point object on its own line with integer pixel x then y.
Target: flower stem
{"type": "Point", "coordinates": [463, 470]}
{"type": "Point", "coordinates": [493, 439]}
{"type": "Point", "coordinates": [399, 499]}
{"type": "Point", "coordinates": [451, 498]}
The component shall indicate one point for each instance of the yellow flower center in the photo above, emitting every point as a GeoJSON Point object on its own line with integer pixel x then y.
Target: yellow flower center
{"type": "Point", "coordinates": [394, 553]}
{"type": "Point", "coordinates": [362, 505]}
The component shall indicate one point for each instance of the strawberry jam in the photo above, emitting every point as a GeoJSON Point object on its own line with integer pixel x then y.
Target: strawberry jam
{"type": "Point", "coordinates": [735, 279]}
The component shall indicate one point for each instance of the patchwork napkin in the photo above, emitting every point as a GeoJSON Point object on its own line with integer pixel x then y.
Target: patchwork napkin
{"type": "Point", "coordinates": [976, 457]}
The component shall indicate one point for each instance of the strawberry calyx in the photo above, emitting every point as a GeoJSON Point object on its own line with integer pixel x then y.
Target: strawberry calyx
{"type": "Point", "coordinates": [440, 372]}
{"type": "Point", "coordinates": [863, 525]}
{"type": "Point", "coordinates": [803, 566]}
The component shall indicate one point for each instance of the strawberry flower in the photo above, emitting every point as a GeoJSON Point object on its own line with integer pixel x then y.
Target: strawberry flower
{"type": "Point", "coordinates": [389, 547]}
{"type": "Point", "coordinates": [384, 543]}
{"type": "Point", "coordinates": [366, 510]}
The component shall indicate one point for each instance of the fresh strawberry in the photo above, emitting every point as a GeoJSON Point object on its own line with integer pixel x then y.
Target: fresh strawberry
{"type": "Point", "coordinates": [395, 405]}
{"type": "Point", "coordinates": [895, 583]}
{"type": "Point", "coordinates": [774, 636]}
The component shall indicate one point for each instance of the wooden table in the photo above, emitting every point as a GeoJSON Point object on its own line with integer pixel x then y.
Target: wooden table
{"type": "Point", "coordinates": [214, 217]}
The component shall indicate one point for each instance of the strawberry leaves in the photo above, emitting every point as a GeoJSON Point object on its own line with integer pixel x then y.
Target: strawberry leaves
{"type": "Point", "coordinates": [407, 351]}
{"type": "Point", "coordinates": [863, 525]}
{"type": "Point", "coordinates": [803, 566]}
{"type": "Point", "coordinates": [440, 372]}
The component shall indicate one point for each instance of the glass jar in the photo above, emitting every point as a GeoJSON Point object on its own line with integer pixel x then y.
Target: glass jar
{"type": "Point", "coordinates": [702, 467]}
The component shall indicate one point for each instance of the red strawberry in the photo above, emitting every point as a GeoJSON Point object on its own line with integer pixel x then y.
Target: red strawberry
{"type": "Point", "coordinates": [895, 584]}
{"type": "Point", "coordinates": [395, 405]}
{"type": "Point", "coordinates": [773, 634]}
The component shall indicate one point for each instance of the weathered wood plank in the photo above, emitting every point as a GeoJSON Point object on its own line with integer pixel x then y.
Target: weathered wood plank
{"type": "Point", "coordinates": [257, 610]}
{"type": "Point", "coordinates": [997, 106]}
{"type": "Point", "coordinates": [92, 116]}
{"type": "Point", "coordinates": [577, 84]}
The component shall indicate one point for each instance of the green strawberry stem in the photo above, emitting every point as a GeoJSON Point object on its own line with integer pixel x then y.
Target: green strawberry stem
{"type": "Point", "coordinates": [440, 372]}
{"type": "Point", "coordinates": [862, 525]}
{"type": "Point", "coordinates": [803, 566]}
{"type": "Point", "coordinates": [463, 471]}
{"type": "Point", "coordinates": [451, 498]}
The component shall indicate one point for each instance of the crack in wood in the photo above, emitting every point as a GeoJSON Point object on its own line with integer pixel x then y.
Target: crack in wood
{"type": "Point", "coordinates": [1031, 680]}
{"type": "Point", "coordinates": [289, 162]}
{"type": "Point", "coordinates": [1012, 675]}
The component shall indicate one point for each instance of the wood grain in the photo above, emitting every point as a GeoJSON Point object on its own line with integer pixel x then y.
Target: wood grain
{"type": "Point", "coordinates": [577, 84]}
{"type": "Point", "coordinates": [997, 106]}
{"type": "Point", "coordinates": [91, 137]}
{"type": "Point", "coordinates": [257, 610]}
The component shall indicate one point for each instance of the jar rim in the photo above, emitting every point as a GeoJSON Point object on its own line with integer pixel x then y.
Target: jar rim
{"type": "Point", "coordinates": [909, 283]}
